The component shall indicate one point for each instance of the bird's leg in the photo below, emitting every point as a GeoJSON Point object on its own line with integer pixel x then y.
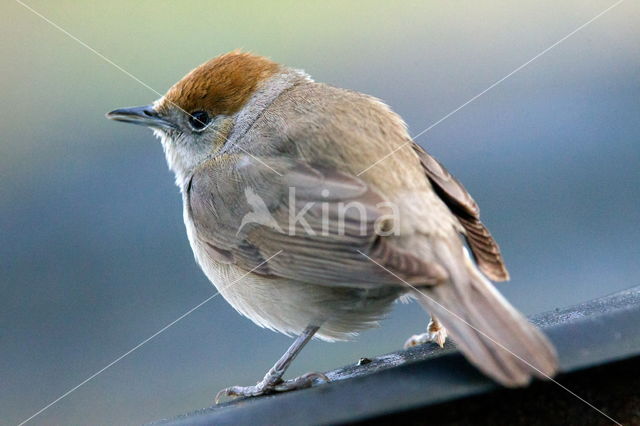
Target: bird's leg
{"type": "Point", "coordinates": [435, 333]}
{"type": "Point", "coordinates": [272, 381]}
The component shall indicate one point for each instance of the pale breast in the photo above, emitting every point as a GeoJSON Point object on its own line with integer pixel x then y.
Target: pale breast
{"type": "Point", "coordinates": [289, 307]}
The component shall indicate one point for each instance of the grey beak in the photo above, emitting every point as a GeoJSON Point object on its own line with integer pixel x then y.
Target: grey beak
{"type": "Point", "coordinates": [142, 115]}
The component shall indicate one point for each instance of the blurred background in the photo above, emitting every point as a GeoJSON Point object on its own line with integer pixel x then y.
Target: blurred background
{"type": "Point", "coordinates": [93, 254]}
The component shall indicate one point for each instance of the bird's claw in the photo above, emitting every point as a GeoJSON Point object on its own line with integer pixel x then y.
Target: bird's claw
{"type": "Point", "coordinates": [265, 388]}
{"type": "Point", "coordinates": [438, 336]}
{"type": "Point", "coordinates": [302, 382]}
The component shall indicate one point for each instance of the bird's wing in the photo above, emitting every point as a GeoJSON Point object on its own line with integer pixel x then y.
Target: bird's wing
{"type": "Point", "coordinates": [321, 222]}
{"type": "Point", "coordinates": [484, 248]}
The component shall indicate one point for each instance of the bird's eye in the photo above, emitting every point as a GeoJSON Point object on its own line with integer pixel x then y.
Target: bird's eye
{"type": "Point", "coordinates": [199, 120]}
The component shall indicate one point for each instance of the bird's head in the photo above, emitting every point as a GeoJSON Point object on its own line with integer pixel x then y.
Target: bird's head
{"type": "Point", "coordinates": [195, 117]}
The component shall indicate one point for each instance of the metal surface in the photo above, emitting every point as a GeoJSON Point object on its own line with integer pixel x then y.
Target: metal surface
{"type": "Point", "coordinates": [594, 333]}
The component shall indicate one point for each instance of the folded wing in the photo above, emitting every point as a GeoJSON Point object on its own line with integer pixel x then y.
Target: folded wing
{"type": "Point", "coordinates": [325, 225]}
{"type": "Point", "coordinates": [484, 248]}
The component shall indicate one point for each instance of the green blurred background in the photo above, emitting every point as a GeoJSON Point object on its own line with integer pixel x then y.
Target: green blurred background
{"type": "Point", "coordinates": [93, 255]}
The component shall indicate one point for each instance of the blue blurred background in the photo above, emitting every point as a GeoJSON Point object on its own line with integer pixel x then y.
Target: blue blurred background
{"type": "Point", "coordinates": [93, 254]}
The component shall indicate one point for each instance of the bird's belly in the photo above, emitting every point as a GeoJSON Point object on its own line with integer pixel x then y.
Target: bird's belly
{"type": "Point", "coordinates": [288, 306]}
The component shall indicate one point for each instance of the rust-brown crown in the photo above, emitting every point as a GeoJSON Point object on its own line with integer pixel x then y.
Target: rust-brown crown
{"type": "Point", "coordinates": [221, 85]}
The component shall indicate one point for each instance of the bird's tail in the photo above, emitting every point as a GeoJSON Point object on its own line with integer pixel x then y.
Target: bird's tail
{"type": "Point", "coordinates": [495, 337]}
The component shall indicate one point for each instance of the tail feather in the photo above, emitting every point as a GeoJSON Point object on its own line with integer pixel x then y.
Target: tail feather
{"type": "Point", "coordinates": [488, 330]}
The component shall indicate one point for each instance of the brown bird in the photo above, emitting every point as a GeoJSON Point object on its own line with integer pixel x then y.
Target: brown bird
{"type": "Point", "coordinates": [311, 210]}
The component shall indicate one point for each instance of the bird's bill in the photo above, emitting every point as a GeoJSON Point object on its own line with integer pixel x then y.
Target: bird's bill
{"type": "Point", "coordinates": [142, 115]}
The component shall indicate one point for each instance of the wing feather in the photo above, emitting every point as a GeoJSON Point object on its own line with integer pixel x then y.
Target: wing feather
{"type": "Point", "coordinates": [325, 246]}
{"type": "Point", "coordinates": [484, 248]}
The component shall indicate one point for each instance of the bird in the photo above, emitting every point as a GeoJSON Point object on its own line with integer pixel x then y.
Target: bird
{"type": "Point", "coordinates": [312, 210]}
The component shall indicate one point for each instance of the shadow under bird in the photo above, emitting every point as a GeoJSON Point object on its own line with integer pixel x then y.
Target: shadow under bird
{"type": "Point", "coordinates": [311, 210]}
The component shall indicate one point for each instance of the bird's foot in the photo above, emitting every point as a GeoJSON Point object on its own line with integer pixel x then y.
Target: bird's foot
{"type": "Point", "coordinates": [267, 386]}
{"type": "Point", "coordinates": [435, 333]}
